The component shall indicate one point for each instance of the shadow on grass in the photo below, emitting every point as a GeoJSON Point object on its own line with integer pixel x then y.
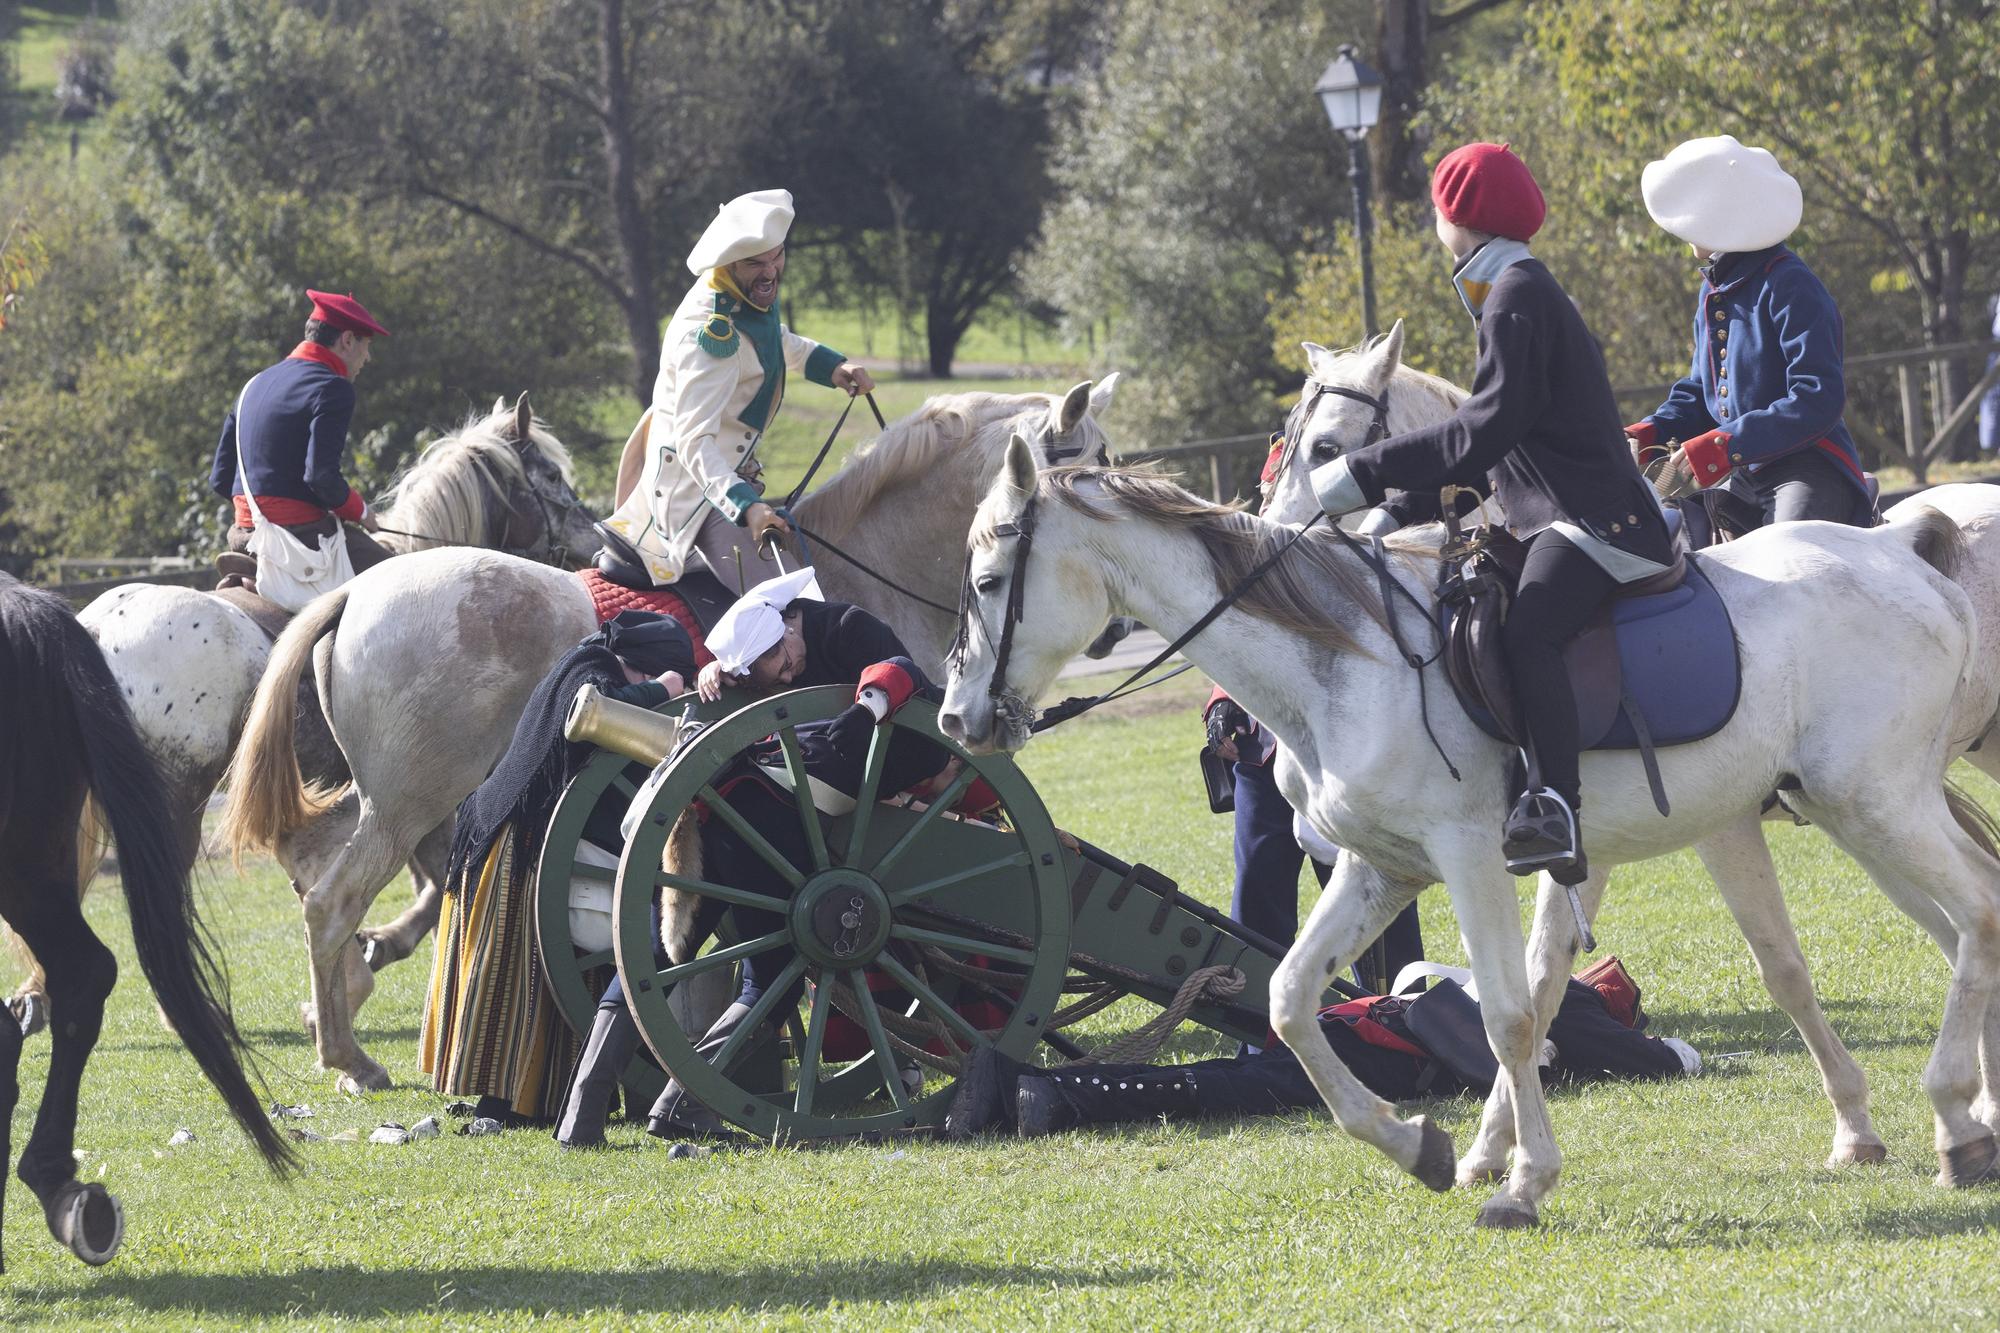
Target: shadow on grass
{"type": "Point", "coordinates": [1919, 1224]}
{"type": "Point", "coordinates": [355, 1291]}
{"type": "Point", "coordinates": [1769, 1031]}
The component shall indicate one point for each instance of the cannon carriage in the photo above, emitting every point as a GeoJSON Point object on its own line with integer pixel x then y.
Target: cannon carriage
{"type": "Point", "coordinates": [920, 933]}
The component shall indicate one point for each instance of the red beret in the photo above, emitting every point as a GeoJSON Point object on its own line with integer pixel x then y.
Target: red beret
{"type": "Point", "coordinates": [1484, 186]}
{"type": "Point", "coordinates": [344, 313]}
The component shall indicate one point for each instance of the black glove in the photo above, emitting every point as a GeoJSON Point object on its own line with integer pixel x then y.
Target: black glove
{"type": "Point", "coordinates": [1226, 721]}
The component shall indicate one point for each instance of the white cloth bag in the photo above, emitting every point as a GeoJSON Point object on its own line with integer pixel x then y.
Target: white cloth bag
{"type": "Point", "coordinates": [289, 572]}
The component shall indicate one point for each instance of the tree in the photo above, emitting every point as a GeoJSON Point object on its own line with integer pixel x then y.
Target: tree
{"type": "Point", "coordinates": [1887, 110]}
{"type": "Point", "coordinates": [1200, 168]}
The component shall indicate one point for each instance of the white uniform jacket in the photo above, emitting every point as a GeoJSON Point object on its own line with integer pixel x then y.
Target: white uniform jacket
{"type": "Point", "coordinates": [722, 380]}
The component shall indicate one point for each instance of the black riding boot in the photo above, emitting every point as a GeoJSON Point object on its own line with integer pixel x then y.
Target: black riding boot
{"type": "Point", "coordinates": [1047, 1102]}
{"type": "Point", "coordinates": [613, 1039]}
{"type": "Point", "coordinates": [1542, 834]}
{"type": "Point", "coordinates": [677, 1115]}
{"type": "Point", "coordinates": [984, 1098]}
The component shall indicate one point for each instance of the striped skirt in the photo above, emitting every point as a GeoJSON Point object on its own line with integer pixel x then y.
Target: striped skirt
{"type": "Point", "coordinates": [491, 1026]}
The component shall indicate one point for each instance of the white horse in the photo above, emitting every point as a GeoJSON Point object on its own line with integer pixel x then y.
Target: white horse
{"type": "Point", "coordinates": [1307, 650]}
{"type": "Point", "coordinates": [189, 661]}
{"type": "Point", "coordinates": [1337, 411]}
{"type": "Point", "coordinates": [424, 663]}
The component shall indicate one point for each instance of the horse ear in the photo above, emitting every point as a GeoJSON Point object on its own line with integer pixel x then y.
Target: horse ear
{"type": "Point", "coordinates": [1384, 358]}
{"type": "Point", "coordinates": [1100, 397]}
{"type": "Point", "coordinates": [524, 422]}
{"type": "Point", "coordinates": [1019, 467]}
{"type": "Point", "coordinates": [1074, 404]}
{"type": "Point", "coordinates": [1319, 362]}
{"type": "Point", "coordinates": [499, 405]}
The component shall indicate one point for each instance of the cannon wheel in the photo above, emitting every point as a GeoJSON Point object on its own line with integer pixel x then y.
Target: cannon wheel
{"type": "Point", "coordinates": [887, 885]}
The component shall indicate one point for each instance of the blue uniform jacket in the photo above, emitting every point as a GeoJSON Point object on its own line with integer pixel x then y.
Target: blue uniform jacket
{"type": "Point", "coordinates": [1767, 377]}
{"type": "Point", "coordinates": [295, 418]}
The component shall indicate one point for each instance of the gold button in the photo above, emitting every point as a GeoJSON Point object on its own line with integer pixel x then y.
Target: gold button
{"type": "Point", "coordinates": [1632, 519]}
{"type": "Point", "coordinates": [1721, 316]}
{"type": "Point", "coordinates": [1736, 458]}
{"type": "Point", "coordinates": [1616, 528]}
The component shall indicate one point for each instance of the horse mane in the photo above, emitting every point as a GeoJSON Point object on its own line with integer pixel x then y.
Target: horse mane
{"type": "Point", "coordinates": [911, 448]}
{"type": "Point", "coordinates": [1236, 543]}
{"type": "Point", "coordinates": [447, 493]}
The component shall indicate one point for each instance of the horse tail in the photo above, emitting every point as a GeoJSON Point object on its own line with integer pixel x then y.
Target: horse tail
{"type": "Point", "coordinates": [1973, 818]}
{"type": "Point", "coordinates": [167, 933]}
{"type": "Point", "coordinates": [1936, 539]}
{"type": "Point", "coordinates": [268, 798]}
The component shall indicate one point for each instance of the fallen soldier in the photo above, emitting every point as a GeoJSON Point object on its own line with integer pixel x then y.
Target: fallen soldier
{"type": "Point", "coordinates": [1402, 1046]}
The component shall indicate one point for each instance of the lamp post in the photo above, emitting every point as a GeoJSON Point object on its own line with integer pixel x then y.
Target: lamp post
{"type": "Point", "coordinates": [1351, 92]}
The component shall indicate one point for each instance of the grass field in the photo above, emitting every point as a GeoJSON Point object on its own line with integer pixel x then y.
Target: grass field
{"type": "Point", "coordinates": [1699, 1203]}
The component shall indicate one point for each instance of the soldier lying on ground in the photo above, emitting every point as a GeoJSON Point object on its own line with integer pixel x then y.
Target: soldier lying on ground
{"type": "Point", "coordinates": [1402, 1046]}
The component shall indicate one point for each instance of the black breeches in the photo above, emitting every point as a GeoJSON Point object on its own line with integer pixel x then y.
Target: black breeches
{"type": "Point", "coordinates": [1561, 590]}
{"type": "Point", "coordinates": [1801, 486]}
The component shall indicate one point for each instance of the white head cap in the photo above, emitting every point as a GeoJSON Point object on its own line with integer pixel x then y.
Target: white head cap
{"type": "Point", "coordinates": [747, 225]}
{"type": "Point", "coordinates": [754, 624]}
{"type": "Point", "coordinates": [1718, 195]}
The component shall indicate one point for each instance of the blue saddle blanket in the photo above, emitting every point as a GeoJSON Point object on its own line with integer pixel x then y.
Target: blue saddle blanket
{"type": "Point", "coordinates": [1678, 663]}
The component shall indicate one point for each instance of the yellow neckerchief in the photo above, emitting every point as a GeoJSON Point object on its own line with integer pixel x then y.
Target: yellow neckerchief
{"type": "Point", "coordinates": [720, 279]}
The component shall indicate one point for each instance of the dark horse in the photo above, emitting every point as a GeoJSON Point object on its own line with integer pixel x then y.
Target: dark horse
{"type": "Point", "coordinates": [65, 733]}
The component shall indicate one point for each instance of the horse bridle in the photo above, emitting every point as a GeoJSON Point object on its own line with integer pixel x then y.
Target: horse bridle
{"type": "Point", "coordinates": [1295, 424]}
{"type": "Point", "coordinates": [551, 551]}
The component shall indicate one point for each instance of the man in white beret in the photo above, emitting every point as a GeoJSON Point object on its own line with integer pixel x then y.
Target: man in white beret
{"type": "Point", "coordinates": [1755, 423]}
{"type": "Point", "coordinates": [688, 482]}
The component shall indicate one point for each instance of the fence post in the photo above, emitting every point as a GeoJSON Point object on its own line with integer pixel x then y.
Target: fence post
{"type": "Point", "coordinates": [1913, 446]}
{"type": "Point", "coordinates": [1215, 477]}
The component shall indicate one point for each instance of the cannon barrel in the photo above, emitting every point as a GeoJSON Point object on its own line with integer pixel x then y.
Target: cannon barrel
{"type": "Point", "coordinates": [636, 733]}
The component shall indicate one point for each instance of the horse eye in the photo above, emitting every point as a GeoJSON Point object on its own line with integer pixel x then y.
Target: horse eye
{"type": "Point", "coordinates": [987, 583]}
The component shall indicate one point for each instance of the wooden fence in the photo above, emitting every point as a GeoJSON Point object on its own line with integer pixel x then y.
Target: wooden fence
{"type": "Point", "coordinates": [1228, 466]}
{"type": "Point", "coordinates": [81, 580]}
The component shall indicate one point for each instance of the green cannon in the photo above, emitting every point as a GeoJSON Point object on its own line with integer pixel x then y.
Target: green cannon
{"type": "Point", "coordinates": [1000, 931]}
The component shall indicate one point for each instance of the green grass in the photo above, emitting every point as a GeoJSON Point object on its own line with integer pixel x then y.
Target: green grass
{"type": "Point", "coordinates": [46, 29]}
{"type": "Point", "coordinates": [1697, 1203]}
{"type": "Point", "coordinates": [1002, 337]}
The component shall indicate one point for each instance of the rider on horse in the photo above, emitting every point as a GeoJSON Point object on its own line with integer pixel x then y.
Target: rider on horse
{"type": "Point", "coordinates": [721, 383]}
{"type": "Point", "coordinates": [1757, 416]}
{"type": "Point", "coordinates": [290, 428]}
{"type": "Point", "coordinates": [1541, 431]}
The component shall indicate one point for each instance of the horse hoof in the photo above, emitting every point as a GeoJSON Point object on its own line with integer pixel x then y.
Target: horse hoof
{"type": "Point", "coordinates": [371, 1078]}
{"type": "Point", "coordinates": [1504, 1214]}
{"type": "Point", "coordinates": [374, 953]}
{"type": "Point", "coordinates": [309, 1019]}
{"type": "Point", "coordinates": [1863, 1152]}
{"type": "Point", "coordinates": [88, 1220]}
{"type": "Point", "coordinates": [1435, 1158]}
{"type": "Point", "coordinates": [1474, 1173]}
{"type": "Point", "coordinates": [31, 1011]}
{"type": "Point", "coordinates": [1968, 1164]}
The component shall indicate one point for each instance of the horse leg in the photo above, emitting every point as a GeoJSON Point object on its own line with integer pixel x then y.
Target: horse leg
{"type": "Point", "coordinates": [1357, 904]}
{"type": "Point", "coordinates": [11, 1040]}
{"type": "Point", "coordinates": [1552, 949]}
{"type": "Point", "coordinates": [1739, 861]}
{"type": "Point", "coordinates": [1925, 854]}
{"type": "Point", "coordinates": [334, 905]}
{"type": "Point", "coordinates": [383, 945]}
{"type": "Point", "coordinates": [81, 972]}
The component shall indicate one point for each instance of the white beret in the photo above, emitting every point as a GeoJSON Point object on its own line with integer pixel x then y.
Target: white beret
{"type": "Point", "coordinates": [747, 225]}
{"type": "Point", "coordinates": [755, 622]}
{"type": "Point", "coordinates": [1716, 194]}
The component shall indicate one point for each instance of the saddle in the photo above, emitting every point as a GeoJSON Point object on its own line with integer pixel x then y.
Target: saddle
{"type": "Point", "coordinates": [702, 596]}
{"type": "Point", "coordinates": [1657, 666]}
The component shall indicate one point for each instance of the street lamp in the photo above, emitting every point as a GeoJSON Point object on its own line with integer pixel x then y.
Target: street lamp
{"type": "Point", "coordinates": [1351, 92]}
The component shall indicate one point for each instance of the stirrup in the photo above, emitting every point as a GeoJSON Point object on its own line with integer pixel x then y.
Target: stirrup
{"type": "Point", "coordinates": [1541, 834]}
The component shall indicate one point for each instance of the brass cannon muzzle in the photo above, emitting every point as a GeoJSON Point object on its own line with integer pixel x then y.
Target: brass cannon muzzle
{"type": "Point", "coordinates": [636, 733]}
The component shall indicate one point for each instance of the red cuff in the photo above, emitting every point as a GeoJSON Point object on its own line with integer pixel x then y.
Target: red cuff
{"type": "Point", "coordinates": [350, 509]}
{"type": "Point", "coordinates": [1708, 456]}
{"type": "Point", "coordinates": [1215, 697]}
{"type": "Point", "coordinates": [1272, 459]}
{"type": "Point", "coordinates": [892, 680]}
{"type": "Point", "coordinates": [1648, 435]}
{"type": "Point", "coordinates": [979, 799]}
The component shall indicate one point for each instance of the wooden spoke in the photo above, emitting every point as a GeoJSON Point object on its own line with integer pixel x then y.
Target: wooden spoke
{"type": "Point", "coordinates": [758, 1013]}
{"type": "Point", "coordinates": [772, 857]}
{"type": "Point", "coordinates": [925, 995]}
{"type": "Point", "coordinates": [902, 897]}
{"type": "Point", "coordinates": [625, 787]}
{"type": "Point", "coordinates": [878, 1037]}
{"type": "Point", "coordinates": [586, 961]}
{"type": "Point", "coordinates": [962, 943]}
{"type": "Point", "coordinates": [715, 958]}
{"type": "Point", "coordinates": [822, 1009]}
{"type": "Point", "coordinates": [722, 892]}
{"type": "Point", "coordinates": [802, 797]}
{"type": "Point", "coordinates": [865, 798]}
{"type": "Point", "coordinates": [937, 807]}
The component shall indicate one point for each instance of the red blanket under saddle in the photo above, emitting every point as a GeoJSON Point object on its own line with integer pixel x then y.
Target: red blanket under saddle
{"type": "Point", "coordinates": [608, 599]}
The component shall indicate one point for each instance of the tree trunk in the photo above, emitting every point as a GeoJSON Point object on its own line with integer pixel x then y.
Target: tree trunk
{"type": "Point", "coordinates": [641, 304]}
{"type": "Point", "coordinates": [942, 332]}
{"type": "Point", "coordinates": [1402, 40]}
{"type": "Point", "coordinates": [899, 214]}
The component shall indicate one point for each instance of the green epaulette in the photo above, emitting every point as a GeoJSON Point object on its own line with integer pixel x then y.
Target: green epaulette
{"type": "Point", "coordinates": [718, 335]}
